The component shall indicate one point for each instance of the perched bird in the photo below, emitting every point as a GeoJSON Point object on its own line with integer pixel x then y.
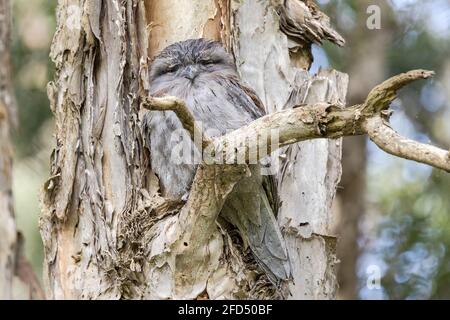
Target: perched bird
{"type": "Point", "coordinates": [204, 75]}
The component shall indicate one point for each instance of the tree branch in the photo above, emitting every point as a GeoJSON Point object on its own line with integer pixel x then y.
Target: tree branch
{"type": "Point", "coordinates": [322, 120]}
{"type": "Point", "coordinates": [382, 95]}
{"type": "Point", "coordinates": [179, 107]}
{"type": "Point", "coordinates": [393, 143]}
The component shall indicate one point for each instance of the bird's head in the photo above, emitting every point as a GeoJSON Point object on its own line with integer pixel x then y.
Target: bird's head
{"type": "Point", "coordinates": [191, 59]}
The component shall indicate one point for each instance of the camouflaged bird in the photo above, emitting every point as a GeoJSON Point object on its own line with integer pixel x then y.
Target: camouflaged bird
{"type": "Point", "coordinates": [204, 75]}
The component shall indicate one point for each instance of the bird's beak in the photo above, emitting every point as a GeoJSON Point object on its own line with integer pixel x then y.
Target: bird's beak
{"type": "Point", "coordinates": [190, 72]}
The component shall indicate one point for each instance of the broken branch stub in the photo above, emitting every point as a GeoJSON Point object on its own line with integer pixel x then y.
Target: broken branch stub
{"type": "Point", "coordinates": [382, 95]}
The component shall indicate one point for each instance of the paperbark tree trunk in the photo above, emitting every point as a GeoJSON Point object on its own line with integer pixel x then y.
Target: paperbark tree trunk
{"type": "Point", "coordinates": [107, 232]}
{"type": "Point", "coordinates": [17, 280]}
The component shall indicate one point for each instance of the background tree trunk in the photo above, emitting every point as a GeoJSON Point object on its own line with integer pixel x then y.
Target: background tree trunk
{"type": "Point", "coordinates": [107, 233]}
{"type": "Point", "coordinates": [367, 56]}
{"type": "Point", "coordinates": [7, 222]}
{"type": "Point", "coordinates": [17, 280]}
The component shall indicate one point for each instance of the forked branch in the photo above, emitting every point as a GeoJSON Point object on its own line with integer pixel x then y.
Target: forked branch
{"type": "Point", "coordinates": [321, 120]}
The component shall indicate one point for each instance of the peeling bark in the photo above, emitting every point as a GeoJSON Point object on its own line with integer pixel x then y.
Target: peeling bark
{"type": "Point", "coordinates": [312, 170]}
{"type": "Point", "coordinates": [94, 200]}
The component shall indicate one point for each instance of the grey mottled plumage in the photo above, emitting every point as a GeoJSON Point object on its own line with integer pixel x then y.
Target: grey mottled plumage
{"type": "Point", "coordinates": [201, 73]}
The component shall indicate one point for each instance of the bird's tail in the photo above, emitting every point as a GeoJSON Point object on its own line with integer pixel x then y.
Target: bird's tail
{"type": "Point", "coordinates": [268, 245]}
{"type": "Point", "coordinates": [249, 209]}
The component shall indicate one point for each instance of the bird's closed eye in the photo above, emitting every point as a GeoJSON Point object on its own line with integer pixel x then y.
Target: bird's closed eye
{"type": "Point", "coordinates": [209, 62]}
{"type": "Point", "coordinates": [164, 69]}
{"type": "Point", "coordinates": [171, 68]}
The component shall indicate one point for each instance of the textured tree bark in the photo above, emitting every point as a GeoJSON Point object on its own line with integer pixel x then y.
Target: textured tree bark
{"type": "Point", "coordinates": [94, 204]}
{"type": "Point", "coordinates": [107, 233]}
{"type": "Point", "coordinates": [17, 280]}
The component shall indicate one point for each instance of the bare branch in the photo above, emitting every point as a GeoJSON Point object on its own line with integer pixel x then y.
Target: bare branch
{"type": "Point", "coordinates": [210, 188]}
{"type": "Point", "coordinates": [391, 142]}
{"type": "Point", "coordinates": [181, 110]}
{"type": "Point", "coordinates": [382, 95]}
{"type": "Point", "coordinates": [320, 120]}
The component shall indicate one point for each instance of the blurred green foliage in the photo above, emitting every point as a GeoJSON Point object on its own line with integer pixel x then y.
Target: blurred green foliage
{"type": "Point", "coordinates": [33, 28]}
